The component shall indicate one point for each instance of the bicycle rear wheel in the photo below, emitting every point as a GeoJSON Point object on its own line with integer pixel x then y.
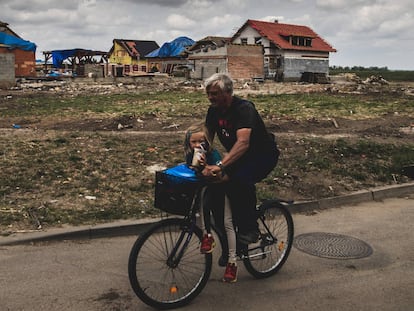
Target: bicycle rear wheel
{"type": "Point", "coordinates": [268, 255]}
{"type": "Point", "coordinates": [165, 268]}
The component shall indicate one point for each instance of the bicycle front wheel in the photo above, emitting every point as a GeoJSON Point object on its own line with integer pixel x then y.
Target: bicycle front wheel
{"type": "Point", "coordinates": [268, 255]}
{"type": "Point", "coordinates": [165, 268]}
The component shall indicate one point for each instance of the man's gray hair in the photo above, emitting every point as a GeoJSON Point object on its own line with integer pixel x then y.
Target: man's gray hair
{"type": "Point", "coordinates": [221, 80]}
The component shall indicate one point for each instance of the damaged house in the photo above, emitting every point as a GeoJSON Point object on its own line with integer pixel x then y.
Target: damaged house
{"type": "Point", "coordinates": [171, 56]}
{"type": "Point", "coordinates": [259, 49]}
{"type": "Point", "coordinates": [127, 57]}
{"type": "Point", "coordinates": [17, 56]}
{"type": "Point", "coordinates": [77, 62]}
{"type": "Point", "coordinates": [216, 54]}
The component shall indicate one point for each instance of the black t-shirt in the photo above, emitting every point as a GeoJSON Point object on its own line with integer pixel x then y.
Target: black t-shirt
{"type": "Point", "coordinates": [241, 114]}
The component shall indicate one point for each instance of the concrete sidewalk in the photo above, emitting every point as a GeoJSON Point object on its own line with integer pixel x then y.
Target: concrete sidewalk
{"type": "Point", "coordinates": [135, 227]}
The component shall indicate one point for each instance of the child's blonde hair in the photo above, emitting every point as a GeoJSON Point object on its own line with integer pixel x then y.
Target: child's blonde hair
{"type": "Point", "coordinates": [195, 128]}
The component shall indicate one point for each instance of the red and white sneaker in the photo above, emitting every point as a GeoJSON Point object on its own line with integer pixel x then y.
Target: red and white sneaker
{"type": "Point", "coordinates": [207, 244]}
{"type": "Point", "coordinates": [230, 275]}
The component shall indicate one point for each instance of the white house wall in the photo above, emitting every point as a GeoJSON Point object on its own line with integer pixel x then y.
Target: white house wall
{"type": "Point", "coordinates": [248, 33]}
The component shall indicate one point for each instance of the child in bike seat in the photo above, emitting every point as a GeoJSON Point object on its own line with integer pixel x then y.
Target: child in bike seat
{"type": "Point", "coordinates": [213, 198]}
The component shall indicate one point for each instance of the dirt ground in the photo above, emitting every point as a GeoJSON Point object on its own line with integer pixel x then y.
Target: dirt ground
{"type": "Point", "coordinates": [387, 129]}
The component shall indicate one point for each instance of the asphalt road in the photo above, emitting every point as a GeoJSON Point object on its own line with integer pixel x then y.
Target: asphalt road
{"type": "Point", "coordinates": [92, 274]}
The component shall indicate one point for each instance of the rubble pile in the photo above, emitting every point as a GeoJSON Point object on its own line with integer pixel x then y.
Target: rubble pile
{"type": "Point", "coordinates": [78, 86]}
{"type": "Point", "coordinates": [375, 80]}
{"type": "Point", "coordinates": [344, 83]}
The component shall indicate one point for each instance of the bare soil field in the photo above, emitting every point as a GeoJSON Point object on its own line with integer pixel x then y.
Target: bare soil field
{"type": "Point", "coordinates": [81, 169]}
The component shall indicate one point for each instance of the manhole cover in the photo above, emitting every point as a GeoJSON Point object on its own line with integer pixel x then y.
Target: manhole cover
{"type": "Point", "coordinates": [331, 245]}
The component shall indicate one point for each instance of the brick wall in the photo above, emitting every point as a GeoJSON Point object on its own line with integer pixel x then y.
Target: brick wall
{"type": "Point", "coordinates": [25, 63]}
{"type": "Point", "coordinates": [245, 61]}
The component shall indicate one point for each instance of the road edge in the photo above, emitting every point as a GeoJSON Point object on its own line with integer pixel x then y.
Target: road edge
{"type": "Point", "coordinates": [135, 227]}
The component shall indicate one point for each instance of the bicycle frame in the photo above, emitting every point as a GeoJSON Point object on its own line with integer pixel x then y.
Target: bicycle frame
{"type": "Point", "coordinates": [243, 250]}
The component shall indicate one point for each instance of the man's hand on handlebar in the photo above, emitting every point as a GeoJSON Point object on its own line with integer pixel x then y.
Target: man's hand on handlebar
{"type": "Point", "coordinates": [213, 172]}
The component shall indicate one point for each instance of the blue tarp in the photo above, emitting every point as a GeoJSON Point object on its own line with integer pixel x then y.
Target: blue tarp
{"type": "Point", "coordinates": [173, 48]}
{"type": "Point", "coordinates": [16, 43]}
{"type": "Point", "coordinates": [59, 56]}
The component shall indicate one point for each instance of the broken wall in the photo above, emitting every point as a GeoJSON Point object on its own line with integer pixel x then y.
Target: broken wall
{"type": "Point", "coordinates": [25, 63]}
{"type": "Point", "coordinates": [204, 68]}
{"type": "Point", "coordinates": [245, 61]}
{"type": "Point", "coordinates": [7, 72]}
{"type": "Point", "coordinates": [239, 61]}
{"type": "Point", "coordinates": [208, 61]}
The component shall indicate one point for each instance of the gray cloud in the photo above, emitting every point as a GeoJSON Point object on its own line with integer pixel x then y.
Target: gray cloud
{"type": "Point", "coordinates": [365, 32]}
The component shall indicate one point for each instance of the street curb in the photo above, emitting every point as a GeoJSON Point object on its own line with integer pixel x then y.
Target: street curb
{"type": "Point", "coordinates": [376, 194]}
{"type": "Point", "coordinates": [122, 228]}
{"type": "Point", "coordinates": [128, 227]}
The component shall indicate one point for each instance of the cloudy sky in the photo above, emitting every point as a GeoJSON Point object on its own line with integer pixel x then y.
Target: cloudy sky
{"type": "Point", "coordinates": [365, 32]}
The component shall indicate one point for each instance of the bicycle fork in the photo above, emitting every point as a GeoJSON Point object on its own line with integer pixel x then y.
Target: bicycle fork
{"type": "Point", "coordinates": [180, 246]}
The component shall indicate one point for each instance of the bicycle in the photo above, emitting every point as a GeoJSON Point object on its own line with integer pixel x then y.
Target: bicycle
{"type": "Point", "coordinates": [166, 269]}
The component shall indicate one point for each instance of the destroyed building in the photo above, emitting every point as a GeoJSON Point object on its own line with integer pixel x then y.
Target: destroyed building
{"type": "Point", "coordinates": [17, 56]}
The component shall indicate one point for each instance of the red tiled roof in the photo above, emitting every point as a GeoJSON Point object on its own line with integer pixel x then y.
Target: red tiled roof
{"type": "Point", "coordinates": [275, 31]}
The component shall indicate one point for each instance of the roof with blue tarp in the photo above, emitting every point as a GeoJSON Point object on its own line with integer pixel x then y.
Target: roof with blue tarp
{"type": "Point", "coordinates": [16, 43]}
{"type": "Point", "coordinates": [59, 56]}
{"type": "Point", "coordinates": [173, 48]}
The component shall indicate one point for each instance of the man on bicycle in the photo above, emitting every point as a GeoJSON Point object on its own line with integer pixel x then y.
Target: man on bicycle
{"type": "Point", "coordinates": [252, 152]}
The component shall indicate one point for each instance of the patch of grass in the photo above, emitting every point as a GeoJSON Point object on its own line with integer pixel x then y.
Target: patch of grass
{"type": "Point", "coordinates": [169, 104]}
{"type": "Point", "coordinates": [54, 176]}
{"type": "Point", "coordinates": [370, 158]}
{"type": "Point", "coordinates": [325, 105]}
{"type": "Point", "coordinates": [389, 75]}
{"type": "Point", "coordinates": [175, 104]}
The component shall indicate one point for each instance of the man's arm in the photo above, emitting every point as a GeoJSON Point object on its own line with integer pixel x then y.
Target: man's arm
{"type": "Point", "coordinates": [235, 153]}
{"type": "Point", "coordinates": [239, 148]}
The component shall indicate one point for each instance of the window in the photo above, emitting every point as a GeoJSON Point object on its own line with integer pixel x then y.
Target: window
{"type": "Point", "coordinates": [286, 38]}
{"type": "Point", "coordinates": [301, 41]}
{"type": "Point", "coordinates": [257, 40]}
{"type": "Point", "coordinates": [243, 40]}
